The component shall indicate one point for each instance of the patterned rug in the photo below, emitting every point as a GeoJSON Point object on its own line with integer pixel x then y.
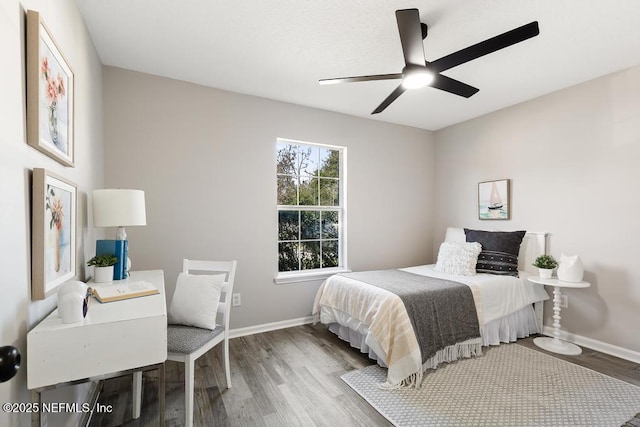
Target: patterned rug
{"type": "Point", "coordinates": [509, 385]}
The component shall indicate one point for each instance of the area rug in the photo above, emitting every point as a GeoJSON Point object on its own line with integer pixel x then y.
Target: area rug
{"type": "Point", "coordinates": [509, 386]}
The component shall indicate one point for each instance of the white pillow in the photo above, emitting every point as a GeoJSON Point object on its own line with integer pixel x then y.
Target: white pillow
{"type": "Point", "coordinates": [458, 258]}
{"type": "Point", "coordinates": [195, 300]}
{"type": "Point", "coordinates": [455, 234]}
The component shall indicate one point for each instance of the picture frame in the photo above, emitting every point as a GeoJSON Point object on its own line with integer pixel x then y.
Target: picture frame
{"type": "Point", "coordinates": [54, 228]}
{"type": "Point", "coordinates": [50, 94]}
{"type": "Point", "coordinates": [494, 199]}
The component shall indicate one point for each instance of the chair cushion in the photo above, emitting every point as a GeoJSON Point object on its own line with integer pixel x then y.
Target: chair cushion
{"type": "Point", "coordinates": [187, 339]}
{"type": "Point", "coordinates": [195, 300]}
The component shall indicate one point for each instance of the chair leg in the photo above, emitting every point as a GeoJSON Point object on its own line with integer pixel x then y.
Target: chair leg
{"type": "Point", "coordinates": [189, 383]}
{"type": "Point", "coordinates": [226, 362]}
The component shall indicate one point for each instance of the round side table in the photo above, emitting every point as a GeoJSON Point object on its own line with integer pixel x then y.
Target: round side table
{"type": "Point", "coordinates": [555, 344]}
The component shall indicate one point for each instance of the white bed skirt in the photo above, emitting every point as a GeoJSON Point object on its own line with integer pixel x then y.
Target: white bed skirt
{"type": "Point", "coordinates": [520, 324]}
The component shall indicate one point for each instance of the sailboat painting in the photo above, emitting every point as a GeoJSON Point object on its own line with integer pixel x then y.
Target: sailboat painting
{"type": "Point", "coordinates": [493, 199]}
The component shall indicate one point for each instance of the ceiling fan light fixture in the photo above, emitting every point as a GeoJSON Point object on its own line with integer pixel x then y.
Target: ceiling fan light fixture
{"type": "Point", "coordinates": [417, 77]}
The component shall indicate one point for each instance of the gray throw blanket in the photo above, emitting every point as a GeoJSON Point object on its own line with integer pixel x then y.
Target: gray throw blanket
{"type": "Point", "coordinates": [442, 312]}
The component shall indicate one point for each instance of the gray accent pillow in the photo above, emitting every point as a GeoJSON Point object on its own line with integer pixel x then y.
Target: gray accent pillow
{"type": "Point", "coordinates": [499, 250]}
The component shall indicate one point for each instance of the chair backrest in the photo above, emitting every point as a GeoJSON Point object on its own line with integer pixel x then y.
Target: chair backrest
{"type": "Point", "coordinates": [207, 267]}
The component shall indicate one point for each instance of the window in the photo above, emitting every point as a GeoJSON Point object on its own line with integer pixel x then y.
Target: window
{"type": "Point", "coordinates": [310, 206]}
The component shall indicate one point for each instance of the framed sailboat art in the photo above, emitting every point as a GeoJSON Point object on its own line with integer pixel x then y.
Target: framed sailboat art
{"type": "Point", "coordinates": [494, 200]}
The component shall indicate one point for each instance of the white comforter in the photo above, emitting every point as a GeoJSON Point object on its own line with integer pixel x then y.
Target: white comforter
{"type": "Point", "coordinates": [381, 317]}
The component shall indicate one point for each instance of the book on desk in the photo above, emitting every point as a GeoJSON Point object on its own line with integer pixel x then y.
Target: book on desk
{"type": "Point", "coordinates": [120, 249]}
{"type": "Point", "coordinates": [121, 291]}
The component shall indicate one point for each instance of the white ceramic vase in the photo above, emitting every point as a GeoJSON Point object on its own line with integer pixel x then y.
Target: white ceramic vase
{"type": "Point", "coordinates": [70, 299]}
{"type": "Point", "coordinates": [571, 269]}
{"type": "Point", "coordinates": [545, 273]}
{"type": "Point", "coordinates": [103, 274]}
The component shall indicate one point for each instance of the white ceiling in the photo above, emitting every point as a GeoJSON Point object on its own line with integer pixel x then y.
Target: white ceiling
{"type": "Point", "coordinates": [279, 49]}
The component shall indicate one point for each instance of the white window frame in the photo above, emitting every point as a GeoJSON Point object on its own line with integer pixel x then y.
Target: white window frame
{"type": "Point", "coordinates": [320, 273]}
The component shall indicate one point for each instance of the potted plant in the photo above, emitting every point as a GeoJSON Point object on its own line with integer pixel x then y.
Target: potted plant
{"type": "Point", "coordinates": [545, 264]}
{"type": "Point", "coordinates": [103, 267]}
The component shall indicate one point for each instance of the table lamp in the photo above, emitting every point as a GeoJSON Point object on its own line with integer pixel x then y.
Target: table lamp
{"type": "Point", "coordinates": [119, 208]}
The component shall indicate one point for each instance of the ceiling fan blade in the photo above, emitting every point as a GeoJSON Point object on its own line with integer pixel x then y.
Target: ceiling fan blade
{"type": "Point", "coordinates": [453, 86]}
{"type": "Point", "coordinates": [486, 47]}
{"type": "Point", "coordinates": [411, 36]}
{"type": "Point", "coordinates": [394, 95]}
{"type": "Point", "coordinates": [360, 78]}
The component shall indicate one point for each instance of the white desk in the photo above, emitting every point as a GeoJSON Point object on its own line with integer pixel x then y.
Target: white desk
{"type": "Point", "coordinates": [114, 339]}
{"type": "Point", "coordinates": [555, 344]}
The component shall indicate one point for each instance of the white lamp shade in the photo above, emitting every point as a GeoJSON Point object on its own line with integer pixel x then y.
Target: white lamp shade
{"type": "Point", "coordinates": [118, 208]}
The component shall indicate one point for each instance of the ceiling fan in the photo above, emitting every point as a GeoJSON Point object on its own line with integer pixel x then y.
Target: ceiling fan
{"type": "Point", "coordinates": [418, 72]}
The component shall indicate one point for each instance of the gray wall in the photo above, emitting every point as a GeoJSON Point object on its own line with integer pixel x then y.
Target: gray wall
{"type": "Point", "coordinates": [206, 161]}
{"type": "Point", "coordinates": [573, 158]}
{"type": "Point", "coordinates": [17, 313]}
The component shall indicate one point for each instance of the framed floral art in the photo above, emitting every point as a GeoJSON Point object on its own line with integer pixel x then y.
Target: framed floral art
{"type": "Point", "coordinates": [50, 90]}
{"type": "Point", "coordinates": [53, 246]}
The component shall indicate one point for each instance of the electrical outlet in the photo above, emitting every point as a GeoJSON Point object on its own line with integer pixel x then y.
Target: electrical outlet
{"type": "Point", "coordinates": [564, 301]}
{"type": "Point", "coordinates": [236, 301]}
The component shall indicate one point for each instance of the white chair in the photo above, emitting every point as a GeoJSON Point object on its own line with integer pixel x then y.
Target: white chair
{"type": "Point", "coordinates": [186, 344]}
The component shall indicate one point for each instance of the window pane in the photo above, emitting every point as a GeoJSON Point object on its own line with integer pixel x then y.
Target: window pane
{"type": "Point", "coordinates": [310, 255]}
{"type": "Point", "coordinates": [304, 161]}
{"type": "Point", "coordinates": [310, 225]}
{"type": "Point", "coordinates": [311, 157]}
{"type": "Point", "coordinates": [308, 191]}
{"type": "Point", "coordinates": [288, 225]}
{"type": "Point", "coordinates": [329, 192]}
{"type": "Point", "coordinates": [286, 158]}
{"type": "Point", "coordinates": [330, 253]}
{"type": "Point", "coordinates": [329, 163]}
{"type": "Point", "coordinates": [287, 190]}
{"type": "Point", "coordinates": [288, 257]}
{"type": "Point", "coordinates": [330, 223]}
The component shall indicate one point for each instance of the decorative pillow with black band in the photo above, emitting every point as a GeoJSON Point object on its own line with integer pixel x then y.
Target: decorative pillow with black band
{"type": "Point", "coordinates": [499, 250]}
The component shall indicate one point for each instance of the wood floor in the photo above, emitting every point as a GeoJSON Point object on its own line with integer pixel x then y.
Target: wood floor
{"type": "Point", "coordinates": [289, 377]}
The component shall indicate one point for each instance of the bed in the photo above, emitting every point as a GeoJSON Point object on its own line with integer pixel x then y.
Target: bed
{"type": "Point", "coordinates": [407, 336]}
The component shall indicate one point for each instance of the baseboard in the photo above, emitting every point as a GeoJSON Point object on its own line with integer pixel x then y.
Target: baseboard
{"type": "Point", "coordinates": [267, 327]}
{"type": "Point", "coordinates": [600, 346]}
{"type": "Point", "coordinates": [603, 347]}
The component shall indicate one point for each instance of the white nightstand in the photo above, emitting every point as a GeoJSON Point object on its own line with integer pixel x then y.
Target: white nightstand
{"type": "Point", "coordinates": [555, 344]}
